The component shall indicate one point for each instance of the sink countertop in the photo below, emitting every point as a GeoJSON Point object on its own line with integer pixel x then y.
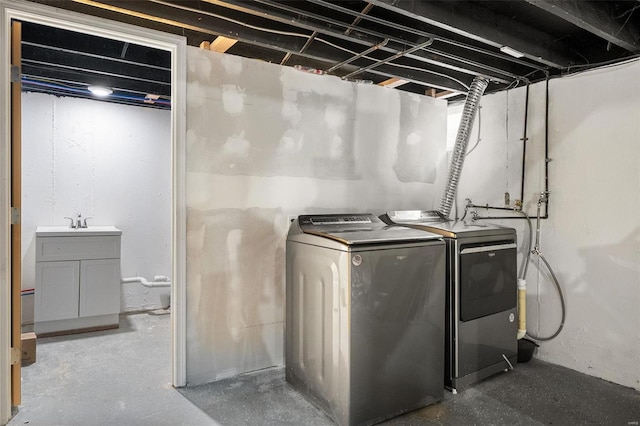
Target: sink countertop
{"type": "Point", "coordinates": [65, 231]}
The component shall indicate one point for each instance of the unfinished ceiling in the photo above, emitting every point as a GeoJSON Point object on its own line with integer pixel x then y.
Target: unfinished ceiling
{"type": "Point", "coordinates": [426, 47]}
{"type": "Point", "coordinates": [66, 63]}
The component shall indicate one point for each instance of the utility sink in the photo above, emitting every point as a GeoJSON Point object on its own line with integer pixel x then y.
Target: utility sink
{"type": "Point", "coordinates": [77, 285]}
{"type": "Point", "coordinates": [65, 231]}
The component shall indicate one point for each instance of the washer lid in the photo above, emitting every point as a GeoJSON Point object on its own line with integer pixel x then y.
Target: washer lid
{"type": "Point", "coordinates": [449, 228]}
{"type": "Point", "coordinates": [366, 228]}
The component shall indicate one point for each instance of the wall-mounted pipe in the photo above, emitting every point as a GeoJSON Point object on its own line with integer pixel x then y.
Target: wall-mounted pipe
{"type": "Point", "coordinates": [469, 112]}
{"type": "Point", "coordinates": [522, 308]}
{"type": "Point", "coordinates": [547, 160]}
{"type": "Point", "coordinates": [524, 143]}
{"type": "Point", "coordinates": [158, 281]}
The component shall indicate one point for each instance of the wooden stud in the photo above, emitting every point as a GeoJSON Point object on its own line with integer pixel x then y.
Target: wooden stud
{"type": "Point", "coordinates": [445, 94]}
{"type": "Point", "coordinates": [205, 45]}
{"type": "Point", "coordinates": [16, 202]}
{"type": "Point", "coordinates": [221, 44]}
{"type": "Point", "coordinates": [393, 82]}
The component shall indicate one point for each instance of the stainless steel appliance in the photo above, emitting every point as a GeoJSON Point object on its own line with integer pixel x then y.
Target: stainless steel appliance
{"type": "Point", "coordinates": [481, 298]}
{"type": "Point", "coordinates": [364, 316]}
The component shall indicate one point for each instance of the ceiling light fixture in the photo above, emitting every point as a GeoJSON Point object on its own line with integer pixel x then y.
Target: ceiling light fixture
{"type": "Point", "coordinates": [511, 52]}
{"type": "Point", "coordinates": [100, 91]}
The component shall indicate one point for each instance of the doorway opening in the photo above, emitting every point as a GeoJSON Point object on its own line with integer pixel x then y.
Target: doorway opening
{"type": "Point", "coordinates": [80, 152]}
{"type": "Point", "coordinates": [43, 15]}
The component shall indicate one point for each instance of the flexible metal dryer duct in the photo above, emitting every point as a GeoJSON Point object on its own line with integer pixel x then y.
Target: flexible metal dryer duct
{"type": "Point", "coordinates": [471, 105]}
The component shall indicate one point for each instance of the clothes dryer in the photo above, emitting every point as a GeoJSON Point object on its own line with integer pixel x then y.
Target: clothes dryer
{"type": "Point", "coordinates": [481, 297]}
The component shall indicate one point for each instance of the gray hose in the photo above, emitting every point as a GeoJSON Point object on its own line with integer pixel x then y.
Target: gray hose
{"type": "Point", "coordinates": [536, 250]}
{"type": "Point", "coordinates": [564, 309]}
{"type": "Point", "coordinates": [471, 104]}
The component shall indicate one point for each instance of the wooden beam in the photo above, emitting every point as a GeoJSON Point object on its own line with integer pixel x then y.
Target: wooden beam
{"type": "Point", "coordinates": [205, 45]}
{"type": "Point", "coordinates": [393, 82]}
{"type": "Point", "coordinates": [222, 44]}
{"type": "Point", "coordinates": [445, 94]}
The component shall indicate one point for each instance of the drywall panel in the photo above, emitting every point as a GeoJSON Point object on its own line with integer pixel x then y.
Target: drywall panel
{"type": "Point", "coordinates": [592, 236]}
{"type": "Point", "coordinates": [106, 161]}
{"type": "Point", "coordinates": [266, 142]}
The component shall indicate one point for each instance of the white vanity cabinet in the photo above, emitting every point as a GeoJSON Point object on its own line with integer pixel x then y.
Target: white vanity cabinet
{"type": "Point", "coordinates": [77, 279]}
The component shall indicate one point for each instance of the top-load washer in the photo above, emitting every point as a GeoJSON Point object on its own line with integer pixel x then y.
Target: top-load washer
{"type": "Point", "coordinates": [364, 316]}
{"type": "Point", "coordinates": [481, 298]}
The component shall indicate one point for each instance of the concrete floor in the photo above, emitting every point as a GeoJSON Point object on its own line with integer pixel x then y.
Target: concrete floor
{"type": "Point", "coordinates": [121, 377]}
{"type": "Point", "coordinates": [113, 377]}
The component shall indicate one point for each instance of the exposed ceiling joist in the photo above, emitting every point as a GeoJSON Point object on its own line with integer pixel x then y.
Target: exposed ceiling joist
{"type": "Point", "coordinates": [596, 17]}
{"type": "Point", "coordinates": [448, 77]}
{"type": "Point", "coordinates": [357, 20]}
{"type": "Point", "coordinates": [412, 45]}
{"type": "Point", "coordinates": [476, 22]}
{"type": "Point", "coordinates": [400, 37]}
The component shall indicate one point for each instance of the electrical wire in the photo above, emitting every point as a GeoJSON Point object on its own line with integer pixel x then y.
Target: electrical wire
{"type": "Point", "coordinates": [466, 86]}
{"type": "Point", "coordinates": [335, 46]}
{"type": "Point", "coordinates": [306, 36]}
{"type": "Point", "coordinates": [599, 65]}
{"type": "Point", "coordinates": [226, 18]}
{"type": "Point", "coordinates": [630, 12]}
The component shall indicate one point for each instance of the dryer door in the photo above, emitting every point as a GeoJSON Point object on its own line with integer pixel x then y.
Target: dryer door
{"type": "Point", "coordinates": [486, 326]}
{"type": "Point", "coordinates": [488, 280]}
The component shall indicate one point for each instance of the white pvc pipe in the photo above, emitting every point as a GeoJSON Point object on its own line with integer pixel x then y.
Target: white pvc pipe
{"type": "Point", "coordinates": [522, 308]}
{"type": "Point", "coordinates": [158, 281]}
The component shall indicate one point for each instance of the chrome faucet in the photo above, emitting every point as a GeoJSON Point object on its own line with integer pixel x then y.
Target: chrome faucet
{"type": "Point", "coordinates": [78, 223]}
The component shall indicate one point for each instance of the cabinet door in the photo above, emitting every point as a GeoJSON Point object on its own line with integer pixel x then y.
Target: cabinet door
{"type": "Point", "coordinates": [99, 287]}
{"type": "Point", "coordinates": [56, 296]}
